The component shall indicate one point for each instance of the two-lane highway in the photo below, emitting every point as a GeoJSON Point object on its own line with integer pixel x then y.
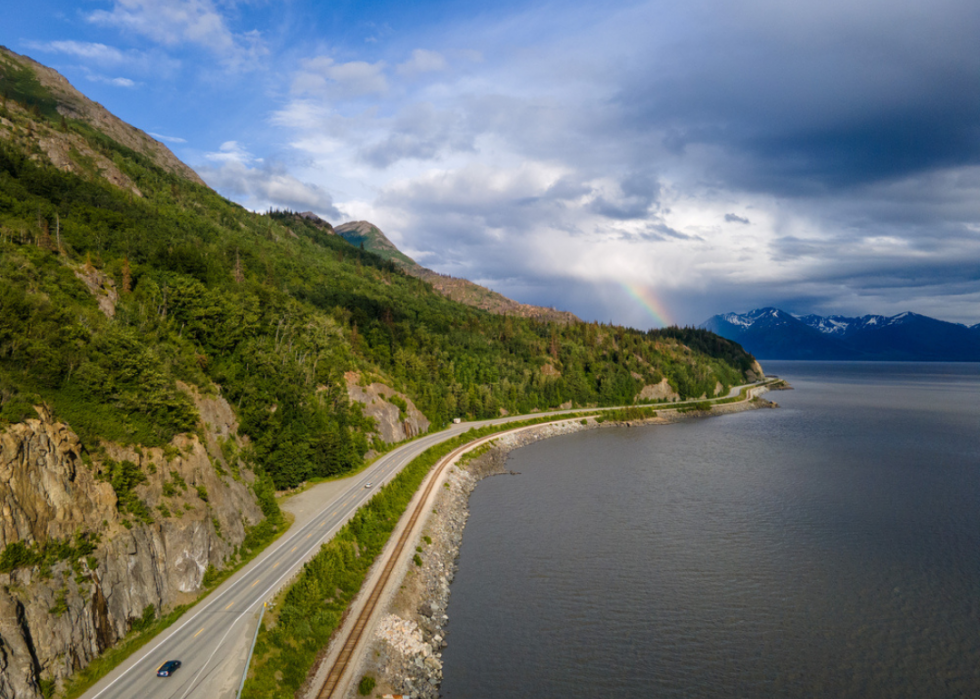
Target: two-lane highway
{"type": "Point", "coordinates": [212, 639]}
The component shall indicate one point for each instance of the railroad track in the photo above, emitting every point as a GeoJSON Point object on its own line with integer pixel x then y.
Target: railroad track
{"type": "Point", "coordinates": [336, 674]}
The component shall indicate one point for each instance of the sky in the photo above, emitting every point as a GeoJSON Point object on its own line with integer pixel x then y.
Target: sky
{"type": "Point", "coordinates": [645, 163]}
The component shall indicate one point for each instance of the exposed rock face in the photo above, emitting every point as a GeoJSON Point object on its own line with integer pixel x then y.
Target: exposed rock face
{"type": "Point", "coordinates": [102, 287]}
{"type": "Point", "coordinates": [755, 373]}
{"type": "Point", "coordinates": [550, 371]}
{"type": "Point", "coordinates": [55, 621]}
{"type": "Point", "coordinates": [658, 391]}
{"type": "Point", "coordinates": [59, 146]}
{"type": "Point", "coordinates": [394, 424]}
{"type": "Point", "coordinates": [46, 492]}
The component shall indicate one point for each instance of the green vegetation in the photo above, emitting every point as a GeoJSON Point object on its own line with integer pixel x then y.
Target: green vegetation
{"type": "Point", "coordinates": [626, 414]}
{"type": "Point", "coordinates": [272, 308]}
{"type": "Point", "coordinates": [123, 476]}
{"type": "Point", "coordinates": [20, 555]}
{"type": "Point", "coordinates": [366, 685]}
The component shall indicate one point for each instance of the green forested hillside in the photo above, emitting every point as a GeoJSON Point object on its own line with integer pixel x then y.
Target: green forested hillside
{"type": "Point", "coordinates": [269, 309]}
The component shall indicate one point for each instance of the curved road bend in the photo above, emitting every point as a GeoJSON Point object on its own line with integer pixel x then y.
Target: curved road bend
{"type": "Point", "coordinates": [212, 639]}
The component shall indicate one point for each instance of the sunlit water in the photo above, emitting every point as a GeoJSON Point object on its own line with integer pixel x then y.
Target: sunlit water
{"type": "Point", "coordinates": [830, 548]}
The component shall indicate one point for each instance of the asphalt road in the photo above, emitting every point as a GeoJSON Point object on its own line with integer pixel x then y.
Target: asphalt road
{"type": "Point", "coordinates": [212, 640]}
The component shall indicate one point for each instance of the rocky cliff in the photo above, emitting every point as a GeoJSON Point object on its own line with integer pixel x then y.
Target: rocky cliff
{"type": "Point", "coordinates": [149, 547]}
{"type": "Point", "coordinates": [395, 414]}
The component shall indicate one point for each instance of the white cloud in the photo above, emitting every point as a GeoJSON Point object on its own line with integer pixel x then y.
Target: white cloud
{"type": "Point", "coordinates": [230, 152]}
{"type": "Point", "coordinates": [153, 62]}
{"type": "Point", "coordinates": [175, 22]}
{"type": "Point", "coordinates": [116, 82]}
{"type": "Point", "coordinates": [422, 61]}
{"type": "Point", "coordinates": [260, 188]}
{"type": "Point", "coordinates": [322, 76]}
{"type": "Point", "coordinates": [98, 53]}
{"type": "Point", "coordinates": [168, 139]}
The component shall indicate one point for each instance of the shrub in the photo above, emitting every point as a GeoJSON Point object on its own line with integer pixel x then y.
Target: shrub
{"type": "Point", "coordinates": [366, 685]}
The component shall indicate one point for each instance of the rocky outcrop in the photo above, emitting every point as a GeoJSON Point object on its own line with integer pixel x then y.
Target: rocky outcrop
{"type": "Point", "coordinates": [56, 617]}
{"type": "Point", "coordinates": [46, 492]}
{"type": "Point", "coordinates": [658, 391]}
{"type": "Point", "coordinates": [71, 153]}
{"type": "Point", "coordinates": [396, 416]}
{"type": "Point", "coordinates": [755, 373]}
{"type": "Point", "coordinates": [102, 287]}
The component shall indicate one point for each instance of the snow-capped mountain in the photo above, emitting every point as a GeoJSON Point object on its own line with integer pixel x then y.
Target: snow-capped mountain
{"type": "Point", "coordinates": [770, 333]}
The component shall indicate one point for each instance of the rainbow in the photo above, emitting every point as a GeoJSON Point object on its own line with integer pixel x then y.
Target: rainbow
{"type": "Point", "coordinates": [650, 302]}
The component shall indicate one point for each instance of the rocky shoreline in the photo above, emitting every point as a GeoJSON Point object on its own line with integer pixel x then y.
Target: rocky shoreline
{"type": "Point", "coordinates": [405, 658]}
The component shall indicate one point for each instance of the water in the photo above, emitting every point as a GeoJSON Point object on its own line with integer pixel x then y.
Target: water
{"type": "Point", "coordinates": [830, 548]}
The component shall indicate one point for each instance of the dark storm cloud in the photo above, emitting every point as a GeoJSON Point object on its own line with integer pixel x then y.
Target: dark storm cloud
{"type": "Point", "coordinates": [806, 101]}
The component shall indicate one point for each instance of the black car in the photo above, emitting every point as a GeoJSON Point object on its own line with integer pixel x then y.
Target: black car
{"type": "Point", "coordinates": [167, 669]}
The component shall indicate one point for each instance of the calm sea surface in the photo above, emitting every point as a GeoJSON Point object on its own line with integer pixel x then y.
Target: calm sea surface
{"type": "Point", "coordinates": [830, 548]}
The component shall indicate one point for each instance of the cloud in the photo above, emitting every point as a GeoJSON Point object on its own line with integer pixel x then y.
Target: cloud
{"type": "Point", "coordinates": [420, 132]}
{"type": "Point", "coordinates": [637, 195]}
{"type": "Point", "coordinates": [177, 22]}
{"type": "Point", "coordinates": [269, 185]}
{"type": "Point", "coordinates": [167, 139]}
{"type": "Point", "coordinates": [230, 152]}
{"type": "Point", "coordinates": [115, 82]}
{"type": "Point", "coordinates": [110, 57]}
{"type": "Point", "coordinates": [724, 157]}
{"type": "Point", "coordinates": [807, 100]}
{"type": "Point", "coordinates": [422, 61]}
{"type": "Point", "coordinates": [322, 76]}
{"type": "Point", "coordinates": [98, 53]}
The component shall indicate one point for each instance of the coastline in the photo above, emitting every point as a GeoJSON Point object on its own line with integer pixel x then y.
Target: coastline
{"type": "Point", "coordinates": [404, 656]}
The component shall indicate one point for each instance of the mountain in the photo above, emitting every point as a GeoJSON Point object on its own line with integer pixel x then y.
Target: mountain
{"type": "Point", "coordinates": [46, 93]}
{"type": "Point", "coordinates": [169, 359]}
{"type": "Point", "coordinates": [363, 233]}
{"type": "Point", "coordinates": [369, 237]}
{"type": "Point", "coordinates": [776, 334]}
{"type": "Point", "coordinates": [769, 333]}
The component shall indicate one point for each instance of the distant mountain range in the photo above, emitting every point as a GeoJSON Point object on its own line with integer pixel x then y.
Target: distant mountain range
{"type": "Point", "coordinates": [769, 333]}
